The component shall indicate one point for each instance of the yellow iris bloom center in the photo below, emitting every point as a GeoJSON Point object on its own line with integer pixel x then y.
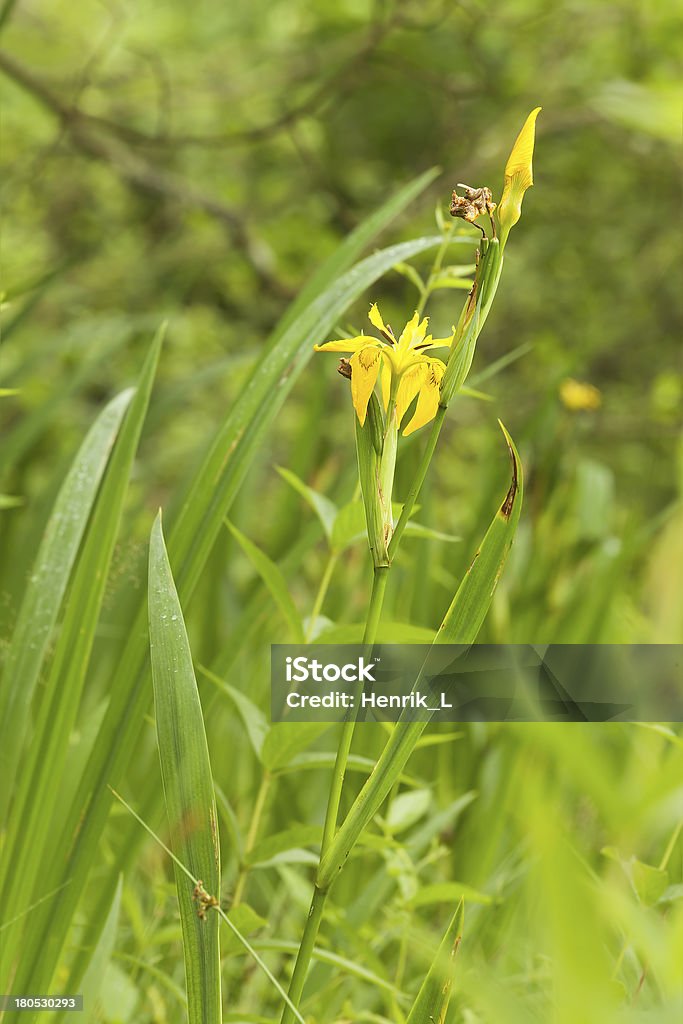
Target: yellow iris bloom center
{"type": "Point", "coordinates": [402, 365]}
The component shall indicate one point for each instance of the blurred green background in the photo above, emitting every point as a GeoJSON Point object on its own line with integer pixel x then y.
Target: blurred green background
{"type": "Point", "coordinates": [195, 163]}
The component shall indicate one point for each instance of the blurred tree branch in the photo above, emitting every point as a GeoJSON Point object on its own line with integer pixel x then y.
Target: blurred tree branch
{"type": "Point", "coordinates": [342, 79]}
{"type": "Point", "coordinates": [137, 172]}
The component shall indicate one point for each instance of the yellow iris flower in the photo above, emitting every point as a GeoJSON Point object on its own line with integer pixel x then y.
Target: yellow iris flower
{"type": "Point", "coordinates": [403, 366]}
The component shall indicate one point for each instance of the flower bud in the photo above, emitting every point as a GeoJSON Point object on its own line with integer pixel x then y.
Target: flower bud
{"type": "Point", "coordinates": [518, 176]}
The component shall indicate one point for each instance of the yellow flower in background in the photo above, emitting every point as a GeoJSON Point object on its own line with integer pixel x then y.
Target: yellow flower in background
{"type": "Point", "coordinates": [402, 365]}
{"type": "Point", "coordinates": [518, 175]}
{"type": "Point", "coordinates": [577, 396]}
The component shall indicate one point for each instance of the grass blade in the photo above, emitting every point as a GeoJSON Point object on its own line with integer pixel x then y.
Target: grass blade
{"type": "Point", "coordinates": [275, 582]}
{"type": "Point", "coordinates": [325, 509]}
{"type": "Point", "coordinates": [100, 957]}
{"type": "Point", "coordinates": [469, 606]}
{"type": "Point", "coordinates": [188, 786]}
{"type": "Point", "coordinates": [184, 870]}
{"type": "Point", "coordinates": [47, 585]}
{"type": "Point", "coordinates": [40, 786]}
{"type": "Point", "coordinates": [432, 1000]}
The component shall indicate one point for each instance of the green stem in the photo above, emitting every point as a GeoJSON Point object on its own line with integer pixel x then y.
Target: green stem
{"type": "Point", "coordinates": [418, 480]}
{"type": "Point", "coordinates": [252, 835]}
{"type": "Point", "coordinates": [322, 594]}
{"type": "Point", "coordinates": [379, 586]}
{"type": "Point", "coordinates": [303, 959]}
{"type": "Point", "coordinates": [436, 267]}
{"type": "Point", "coordinates": [305, 952]}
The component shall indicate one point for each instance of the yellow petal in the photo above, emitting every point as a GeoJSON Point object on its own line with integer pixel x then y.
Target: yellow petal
{"type": "Point", "coordinates": [518, 174]}
{"type": "Point", "coordinates": [428, 400]}
{"type": "Point", "coordinates": [345, 344]}
{"type": "Point", "coordinates": [364, 369]}
{"type": "Point", "coordinates": [411, 382]}
{"type": "Point", "coordinates": [430, 342]}
{"type": "Point", "coordinates": [375, 318]}
{"type": "Point", "coordinates": [413, 332]}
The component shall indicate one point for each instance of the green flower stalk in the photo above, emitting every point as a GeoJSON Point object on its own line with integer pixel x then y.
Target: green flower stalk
{"type": "Point", "coordinates": [376, 446]}
{"type": "Point", "coordinates": [409, 376]}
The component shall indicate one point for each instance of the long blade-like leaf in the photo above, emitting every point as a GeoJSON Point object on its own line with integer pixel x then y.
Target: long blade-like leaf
{"type": "Point", "coordinates": [188, 786]}
{"type": "Point", "coordinates": [431, 1004]}
{"type": "Point", "coordinates": [29, 833]}
{"type": "Point", "coordinates": [47, 585]}
{"type": "Point", "coordinates": [275, 582]}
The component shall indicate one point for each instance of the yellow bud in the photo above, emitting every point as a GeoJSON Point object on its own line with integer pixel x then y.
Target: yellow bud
{"type": "Point", "coordinates": [518, 175]}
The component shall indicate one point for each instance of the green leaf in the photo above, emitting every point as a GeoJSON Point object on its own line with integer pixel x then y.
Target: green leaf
{"type": "Point", "coordinates": [334, 960]}
{"type": "Point", "coordinates": [188, 786]}
{"type": "Point", "coordinates": [119, 994]}
{"type": "Point", "coordinates": [414, 529]}
{"type": "Point", "coordinates": [468, 609]}
{"type": "Point", "coordinates": [407, 809]}
{"type": "Point", "coordinates": [48, 582]}
{"type": "Point", "coordinates": [284, 740]}
{"type": "Point", "coordinates": [29, 838]}
{"type": "Point", "coordinates": [227, 814]}
{"type": "Point", "coordinates": [246, 921]}
{"type": "Point", "coordinates": [432, 1000]}
{"type": "Point", "coordinates": [387, 633]}
{"type": "Point", "coordinates": [254, 720]}
{"type": "Point", "coordinates": [101, 956]}
{"type": "Point", "coordinates": [274, 581]}
{"type": "Point", "coordinates": [325, 509]}
{"type": "Point", "coordinates": [408, 270]}
{"type": "Point", "coordinates": [481, 396]}
{"type": "Point", "coordinates": [448, 892]}
{"type": "Point", "coordinates": [449, 281]}
{"type": "Point", "coordinates": [649, 882]}
{"type": "Point", "coordinates": [342, 258]}
{"type": "Point", "coordinates": [281, 842]}
{"type": "Point", "coordinates": [349, 526]}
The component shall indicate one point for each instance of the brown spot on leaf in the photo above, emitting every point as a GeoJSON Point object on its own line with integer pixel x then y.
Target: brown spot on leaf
{"type": "Point", "coordinates": [507, 506]}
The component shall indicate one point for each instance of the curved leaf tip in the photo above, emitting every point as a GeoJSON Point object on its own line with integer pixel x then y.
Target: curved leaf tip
{"type": "Point", "coordinates": [515, 484]}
